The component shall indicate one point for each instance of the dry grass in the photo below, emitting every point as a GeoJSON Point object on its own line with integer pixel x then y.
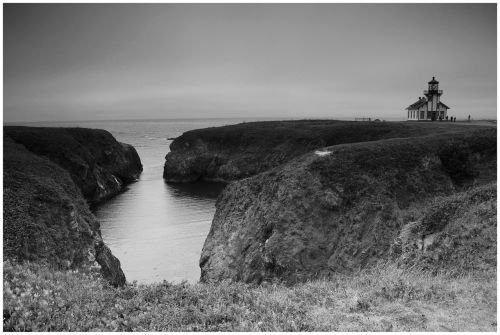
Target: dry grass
{"type": "Point", "coordinates": [383, 299]}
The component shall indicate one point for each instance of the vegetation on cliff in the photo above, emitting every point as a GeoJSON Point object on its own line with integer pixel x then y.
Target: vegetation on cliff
{"type": "Point", "coordinates": [98, 164]}
{"type": "Point", "coordinates": [337, 212]}
{"type": "Point", "coordinates": [456, 234]}
{"type": "Point", "coordinates": [47, 172]}
{"type": "Point", "coordinates": [45, 216]}
{"type": "Point", "coordinates": [238, 151]}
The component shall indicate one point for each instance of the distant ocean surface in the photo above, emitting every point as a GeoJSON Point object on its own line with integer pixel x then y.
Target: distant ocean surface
{"type": "Point", "coordinates": [157, 230]}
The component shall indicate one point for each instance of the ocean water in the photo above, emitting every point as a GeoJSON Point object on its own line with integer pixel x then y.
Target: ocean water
{"type": "Point", "coordinates": [157, 230]}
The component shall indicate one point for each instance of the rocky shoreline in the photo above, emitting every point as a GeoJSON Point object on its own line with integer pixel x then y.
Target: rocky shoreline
{"type": "Point", "coordinates": [51, 176]}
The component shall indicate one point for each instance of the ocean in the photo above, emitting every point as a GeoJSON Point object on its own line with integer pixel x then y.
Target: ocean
{"type": "Point", "coordinates": [156, 230]}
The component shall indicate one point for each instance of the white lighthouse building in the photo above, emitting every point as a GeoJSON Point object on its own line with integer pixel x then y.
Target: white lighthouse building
{"type": "Point", "coordinates": [428, 108]}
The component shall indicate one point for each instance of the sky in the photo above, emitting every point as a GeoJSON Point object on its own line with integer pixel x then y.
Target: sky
{"type": "Point", "coordinates": [69, 62]}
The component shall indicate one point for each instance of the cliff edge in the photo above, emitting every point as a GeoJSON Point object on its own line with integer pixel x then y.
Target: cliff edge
{"type": "Point", "coordinates": [238, 151]}
{"type": "Point", "coordinates": [340, 208]}
{"type": "Point", "coordinates": [50, 177]}
{"type": "Point", "coordinates": [98, 164]}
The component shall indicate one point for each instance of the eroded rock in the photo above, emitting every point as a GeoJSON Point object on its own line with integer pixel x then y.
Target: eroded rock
{"type": "Point", "coordinates": [46, 217]}
{"type": "Point", "coordinates": [318, 215]}
{"type": "Point", "coordinates": [98, 164]}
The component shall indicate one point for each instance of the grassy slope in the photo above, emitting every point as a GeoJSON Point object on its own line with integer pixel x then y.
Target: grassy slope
{"type": "Point", "coordinates": [238, 151]}
{"type": "Point", "coordinates": [386, 298]}
{"type": "Point", "coordinates": [399, 295]}
{"type": "Point", "coordinates": [325, 132]}
{"type": "Point", "coordinates": [460, 234]}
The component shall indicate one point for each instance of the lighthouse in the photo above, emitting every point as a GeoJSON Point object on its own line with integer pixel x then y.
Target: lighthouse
{"type": "Point", "coordinates": [433, 94]}
{"type": "Point", "coordinates": [430, 107]}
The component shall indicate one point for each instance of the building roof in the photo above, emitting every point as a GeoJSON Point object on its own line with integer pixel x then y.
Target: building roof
{"type": "Point", "coordinates": [417, 104]}
{"type": "Point", "coordinates": [443, 105]}
{"type": "Point", "coordinates": [433, 81]}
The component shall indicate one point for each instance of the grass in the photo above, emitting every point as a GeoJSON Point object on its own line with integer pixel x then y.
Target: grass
{"type": "Point", "coordinates": [37, 298]}
{"type": "Point", "coordinates": [460, 231]}
{"type": "Point", "coordinates": [315, 132]}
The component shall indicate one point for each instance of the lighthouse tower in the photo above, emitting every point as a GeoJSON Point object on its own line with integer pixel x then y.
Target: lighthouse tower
{"type": "Point", "coordinates": [433, 95]}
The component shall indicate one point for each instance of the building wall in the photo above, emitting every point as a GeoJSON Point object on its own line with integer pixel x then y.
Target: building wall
{"type": "Point", "coordinates": [443, 111]}
{"type": "Point", "coordinates": [412, 114]}
{"type": "Point", "coordinates": [433, 102]}
{"type": "Point", "coordinates": [421, 113]}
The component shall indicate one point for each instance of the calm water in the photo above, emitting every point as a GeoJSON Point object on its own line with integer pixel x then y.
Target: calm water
{"type": "Point", "coordinates": [157, 230]}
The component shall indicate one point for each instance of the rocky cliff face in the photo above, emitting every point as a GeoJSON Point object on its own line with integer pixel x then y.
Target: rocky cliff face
{"type": "Point", "coordinates": [238, 151]}
{"type": "Point", "coordinates": [339, 208]}
{"type": "Point", "coordinates": [48, 173]}
{"type": "Point", "coordinates": [98, 164]}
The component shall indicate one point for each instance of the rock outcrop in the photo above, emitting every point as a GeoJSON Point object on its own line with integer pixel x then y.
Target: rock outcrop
{"type": "Point", "coordinates": [50, 177]}
{"type": "Point", "coordinates": [238, 151]}
{"type": "Point", "coordinates": [340, 208]}
{"type": "Point", "coordinates": [98, 164]}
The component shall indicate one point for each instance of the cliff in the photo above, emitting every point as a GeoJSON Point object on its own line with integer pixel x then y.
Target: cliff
{"type": "Point", "coordinates": [50, 176]}
{"type": "Point", "coordinates": [340, 208]}
{"type": "Point", "coordinates": [98, 164]}
{"type": "Point", "coordinates": [238, 151]}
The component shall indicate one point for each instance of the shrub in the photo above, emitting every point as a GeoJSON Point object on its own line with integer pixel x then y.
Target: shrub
{"type": "Point", "coordinates": [39, 298]}
{"type": "Point", "coordinates": [456, 159]}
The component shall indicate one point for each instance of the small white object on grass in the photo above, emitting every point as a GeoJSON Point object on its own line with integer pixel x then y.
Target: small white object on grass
{"type": "Point", "coordinates": [322, 153]}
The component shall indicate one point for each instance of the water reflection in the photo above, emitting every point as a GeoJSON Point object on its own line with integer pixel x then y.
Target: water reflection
{"type": "Point", "coordinates": [199, 190]}
{"type": "Point", "coordinates": [157, 230]}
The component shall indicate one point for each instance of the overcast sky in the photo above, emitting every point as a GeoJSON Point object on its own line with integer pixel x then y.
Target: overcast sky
{"type": "Point", "coordinates": [138, 61]}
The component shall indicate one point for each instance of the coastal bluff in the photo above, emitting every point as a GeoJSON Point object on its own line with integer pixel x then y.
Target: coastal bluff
{"type": "Point", "coordinates": [98, 164]}
{"type": "Point", "coordinates": [242, 150]}
{"type": "Point", "coordinates": [341, 208]}
{"type": "Point", "coordinates": [51, 176]}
